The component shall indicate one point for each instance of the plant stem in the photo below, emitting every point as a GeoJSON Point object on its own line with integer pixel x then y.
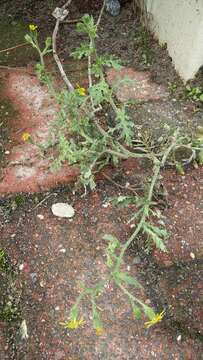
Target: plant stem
{"type": "Point", "coordinates": [130, 296]}
{"type": "Point", "coordinates": [158, 165]}
{"type": "Point", "coordinates": [55, 55]}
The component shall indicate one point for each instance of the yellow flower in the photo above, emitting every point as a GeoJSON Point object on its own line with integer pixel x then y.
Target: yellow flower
{"type": "Point", "coordinates": [73, 324]}
{"type": "Point", "coordinates": [26, 136]}
{"type": "Point", "coordinates": [99, 331]}
{"type": "Point", "coordinates": [33, 27]}
{"type": "Point", "coordinates": [157, 318]}
{"type": "Point", "coordinates": [81, 90]}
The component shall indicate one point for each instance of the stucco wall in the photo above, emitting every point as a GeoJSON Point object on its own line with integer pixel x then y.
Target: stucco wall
{"type": "Point", "coordinates": [179, 23]}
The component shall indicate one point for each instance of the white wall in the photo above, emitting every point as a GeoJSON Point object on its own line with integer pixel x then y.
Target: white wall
{"type": "Point", "coordinates": [179, 23]}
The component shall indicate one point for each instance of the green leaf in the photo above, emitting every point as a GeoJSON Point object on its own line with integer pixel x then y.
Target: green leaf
{"type": "Point", "coordinates": [149, 312]}
{"type": "Point", "coordinates": [137, 312]}
{"type": "Point", "coordinates": [124, 277]}
{"type": "Point", "coordinates": [48, 43]}
{"type": "Point", "coordinates": [156, 234]}
{"type": "Point", "coordinates": [109, 261]}
{"type": "Point", "coordinates": [30, 41]}
{"type": "Point", "coordinates": [73, 312]}
{"type": "Point", "coordinates": [82, 51]}
{"type": "Point", "coordinates": [99, 92]}
{"type": "Point", "coordinates": [97, 323]}
{"type": "Point", "coordinates": [105, 60]}
{"type": "Point", "coordinates": [109, 237]}
{"type": "Point", "coordinates": [112, 239]}
{"type": "Point", "coordinates": [87, 26]}
{"type": "Point", "coordinates": [123, 201]}
{"type": "Point", "coordinates": [125, 125]}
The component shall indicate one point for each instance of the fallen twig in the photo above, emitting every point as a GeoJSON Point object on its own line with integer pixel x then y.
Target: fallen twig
{"type": "Point", "coordinates": [13, 47]}
{"type": "Point", "coordinates": [119, 185]}
{"type": "Point", "coordinates": [101, 13]}
{"type": "Point", "coordinates": [41, 202]}
{"type": "Point", "coordinates": [71, 21]}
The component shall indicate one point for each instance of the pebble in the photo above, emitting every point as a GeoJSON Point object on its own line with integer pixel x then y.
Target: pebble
{"type": "Point", "coordinates": [105, 205]}
{"type": "Point", "coordinates": [23, 330]}
{"type": "Point", "coordinates": [192, 255]}
{"type": "Point", "coordinates": [179, 338]}
{"type": "Point", "coordinates": [40, 216]}
{"type": "Point", "coordinates": [42, 284]}
{"type": "Point", "coordinates": [63, 210]}
{"type": "Point", "coordinates": [21, 267]}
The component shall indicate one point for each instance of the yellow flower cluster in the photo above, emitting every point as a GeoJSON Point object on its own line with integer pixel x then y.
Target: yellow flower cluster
{"type": "Point", "coordinates": [73, 324]}
{"type": "Point", "coordinates": [81, 90]}
{"type": "Point", "coordinates": [33, 27]}
{"type": "Point", "coordinates": [156, 319]}
{"type": "Point", "coordinates": [26, 136]}
{"type": "Point", "coordinates": [99, 331]}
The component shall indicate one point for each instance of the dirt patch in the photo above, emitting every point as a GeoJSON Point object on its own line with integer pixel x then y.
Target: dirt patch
{"type": "Point", "coordinates": [55, 255]}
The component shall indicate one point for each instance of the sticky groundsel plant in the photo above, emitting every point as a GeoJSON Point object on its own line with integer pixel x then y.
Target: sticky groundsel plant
{"type": "Point", "coordinates": [88, 136]}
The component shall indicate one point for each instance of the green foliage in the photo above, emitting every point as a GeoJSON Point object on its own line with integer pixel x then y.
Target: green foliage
{"type": "Point", "coordinates": [172, 87]}
{"type": "Point", "coordinates": [3, 260]}
{"type": "Point", "coordinates": [157, 234]}
{"type": "Point", "coordinates": [32, 39]}
{"type": "Point", "coordinates": [82, 51]}
{"type": "Point", "coordinates": [9, 312]}
{"type": "Point", "coordinates": [194, 93]}
{"type": "Point", "coordinates": [123, 201]}
{"type": "Point", "coordinates": [87, 26]}
{"type": "Point", "coordinates": [5, 265]}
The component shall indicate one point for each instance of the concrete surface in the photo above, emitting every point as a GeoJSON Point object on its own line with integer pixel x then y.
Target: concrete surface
{"type": "Point", "coordinates": [179, 24]}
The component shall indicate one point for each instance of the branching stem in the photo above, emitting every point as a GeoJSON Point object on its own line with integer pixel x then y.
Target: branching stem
{"type": "Point", "coordinates": [157, 167]}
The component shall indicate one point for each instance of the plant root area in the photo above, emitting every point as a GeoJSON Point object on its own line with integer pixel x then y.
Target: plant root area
{"type": "Point", "coordinates": [47, 258]}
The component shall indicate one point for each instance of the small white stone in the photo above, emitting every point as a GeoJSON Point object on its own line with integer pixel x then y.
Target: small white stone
{"type": "Point", "coordinates": [21, 267]}
{"type": "Point", "coordinates": [105, 205]}
{"type": "Point", "coordinates": [57, 308]}
{"type": "Point", "coordinates": [63, 210]}
{"type": "Point", "coordinates": [23, 330]}
{"type": "Point", "coordinates": [7, 152]}
{"type": "Point", "coordinates": [179, 338]}
{"type": "Point", "coordinates": [62, 251]}
{"type": "Point", "coordinates": [40, 216]}
{"type": "Point", "coordinates": [192, 255]}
